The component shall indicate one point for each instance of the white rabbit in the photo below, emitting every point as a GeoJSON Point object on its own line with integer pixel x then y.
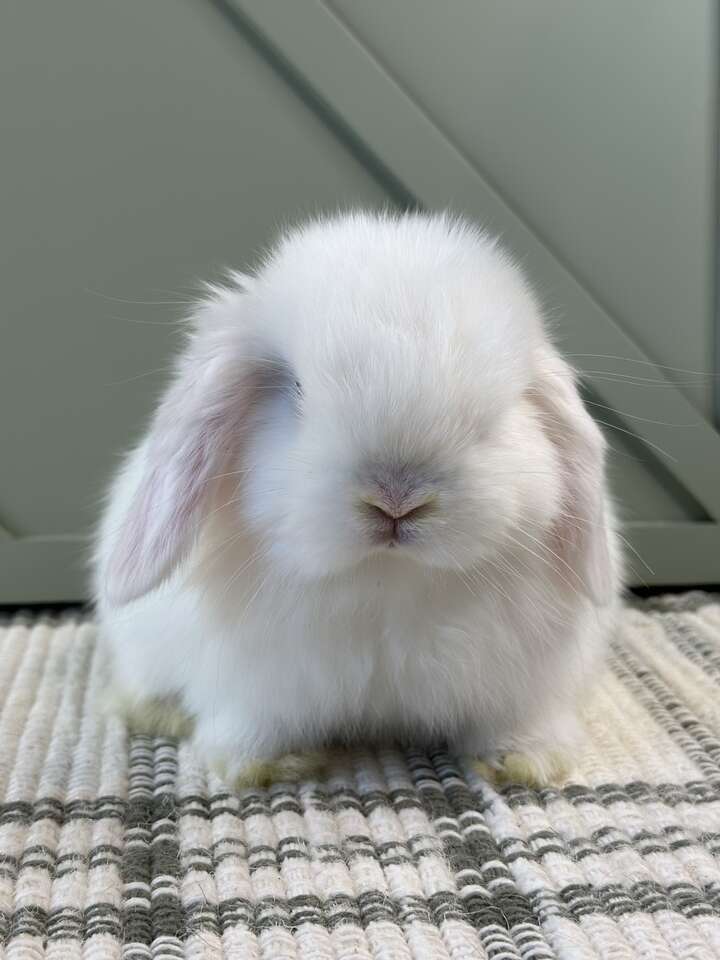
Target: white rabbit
{"type": "Point", "coordinates": [370, 504]}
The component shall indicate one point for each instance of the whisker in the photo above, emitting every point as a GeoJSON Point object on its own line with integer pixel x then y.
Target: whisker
{"type": "Point", "coordinates": [618, 533]}
{"type": "Point", "coordinates": [544, 560]}
{"type": "Point", "coordinates": [635, 436]}
{"type": "Point", "coordinates": [138, 376]}
{"type": "Point", "coordinates": [487, 580]}
{"type": "Point", "coordinates": [609, 377]}
{"type": "Point", "coordinates": [153, 323]}
{"type": "Point", "coordinates": [633, 416]}
{"type": "Point", "coordinates": [139, 303]}
{"type": "Point", "coordinates": [256, 557]}
{"type": "Point", "coordinates": [647, 363]}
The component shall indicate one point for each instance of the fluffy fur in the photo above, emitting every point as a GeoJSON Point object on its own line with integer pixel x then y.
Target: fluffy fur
{"type": "Point", "coordinates": [243, 570]}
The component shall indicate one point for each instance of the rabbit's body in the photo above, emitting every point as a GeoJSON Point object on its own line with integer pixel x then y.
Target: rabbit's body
{"type": "Point", "coordinates": [416, 658]}
{"type": "Point", "coordinates": [371, 571]}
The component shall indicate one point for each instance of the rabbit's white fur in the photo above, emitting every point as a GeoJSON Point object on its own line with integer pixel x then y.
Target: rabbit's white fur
{"type": "Point", "coordinates": [237, 570]}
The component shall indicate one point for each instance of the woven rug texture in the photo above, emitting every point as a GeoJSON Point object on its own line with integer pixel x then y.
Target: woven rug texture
{"type": "Point", "coordinates": [123, 847]}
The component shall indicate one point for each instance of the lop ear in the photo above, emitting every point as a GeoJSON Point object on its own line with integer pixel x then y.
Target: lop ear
{"type": "Point", "coordinates": [167, 487]}
{"type": "Point", "coordinates": [580, 538]}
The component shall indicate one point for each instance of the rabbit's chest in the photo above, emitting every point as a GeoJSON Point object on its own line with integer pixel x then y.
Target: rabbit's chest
{"type": "Point", "coordinates": [405, 666]}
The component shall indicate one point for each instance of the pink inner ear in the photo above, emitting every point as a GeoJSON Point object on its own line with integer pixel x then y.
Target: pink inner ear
{"type": "Point", "coordinates": [162, 521]}
{"type": "Point", "coordinates": [567, 543]}
{"type": "Point", "coordinates": [197, 428]}
{"type": "Point", "coordinates": [580, 537]}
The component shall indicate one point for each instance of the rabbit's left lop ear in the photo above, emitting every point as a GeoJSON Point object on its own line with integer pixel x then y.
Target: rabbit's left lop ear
{"type": "Point", "coordinates": [193, 438]}
{"type": "Point", "coordinates": [580, 539]}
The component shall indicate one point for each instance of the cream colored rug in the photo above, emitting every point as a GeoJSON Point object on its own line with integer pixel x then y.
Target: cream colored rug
{"type": "Point", "coordinates": [113, 846]}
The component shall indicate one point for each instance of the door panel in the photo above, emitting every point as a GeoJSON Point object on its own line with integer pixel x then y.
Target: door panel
{"type": "Point", "coordinates": [147, 146]}
{"type": "Point", "coordinates": [596, 123]}
{"type": "Point", "coordinates": [600, 287]}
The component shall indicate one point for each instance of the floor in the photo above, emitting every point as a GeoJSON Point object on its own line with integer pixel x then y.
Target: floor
{"type": "Point", "coordinates": [117, 846]}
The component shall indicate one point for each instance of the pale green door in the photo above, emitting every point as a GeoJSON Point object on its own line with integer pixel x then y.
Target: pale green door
{"type": "Point", "coordinates": [146, 146]}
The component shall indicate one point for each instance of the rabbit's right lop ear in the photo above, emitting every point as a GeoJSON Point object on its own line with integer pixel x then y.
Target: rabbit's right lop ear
{"type": "Point", "coordinates": [581, 542]}
{"type": "Point", "coordinates": [192, 440]}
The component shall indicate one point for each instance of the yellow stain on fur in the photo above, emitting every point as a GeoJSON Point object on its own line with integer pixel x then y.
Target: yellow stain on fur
{"type": "Point", "coordinates": [485, 770]}
{"type": "Point", "coordinates": [157, 717]}
{"type": "Point", "coordinates": [164, 717]}
{"type": "Point", "coordinates": [545, 770]}
{"type": "Point", "coordinates": [292, 768]}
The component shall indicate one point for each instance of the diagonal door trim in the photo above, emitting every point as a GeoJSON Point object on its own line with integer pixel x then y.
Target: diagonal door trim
{"type": "Point", "coordinates": [350, 87]}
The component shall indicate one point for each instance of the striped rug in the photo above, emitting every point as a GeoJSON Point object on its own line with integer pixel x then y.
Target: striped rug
{"type": "Point", "coordinates": [113, 846]}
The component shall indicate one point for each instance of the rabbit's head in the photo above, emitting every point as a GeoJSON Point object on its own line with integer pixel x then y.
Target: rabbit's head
{"type": "Point", "coordinates": [383, 386]}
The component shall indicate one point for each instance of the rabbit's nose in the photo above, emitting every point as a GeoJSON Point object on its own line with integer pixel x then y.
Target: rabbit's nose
{"type": "Point", "coordinates": [393, 500]}
{"type": "Point", "coordinates": [386, 509]}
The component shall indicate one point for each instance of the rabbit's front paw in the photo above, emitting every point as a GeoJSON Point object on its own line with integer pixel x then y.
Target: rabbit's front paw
{"type": "Point", "coordinates": [153, 716]}
{"type": "Point", "coordinates": [546, 768]}
{"type": "Point", "coordinates": [289, 768]}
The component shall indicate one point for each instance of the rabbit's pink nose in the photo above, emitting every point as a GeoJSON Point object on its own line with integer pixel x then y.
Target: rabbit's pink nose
{"type": "Point", "coordinates": [384, 509]}
{"type": "Point", "coordinates": [392, 522]}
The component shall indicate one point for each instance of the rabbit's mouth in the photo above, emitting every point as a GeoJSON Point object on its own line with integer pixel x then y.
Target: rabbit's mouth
{"type": "Point", "coordinates": [399, 535]}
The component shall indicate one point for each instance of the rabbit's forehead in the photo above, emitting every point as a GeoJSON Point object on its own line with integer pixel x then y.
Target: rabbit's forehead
{"type": "Point", "coordinates": [400, 309]}
{"type": "Point", "coordinates": [402, 317]}
{"type": "Point", "coordinates": [419, 276]}
{"type": "Point", "coordinates": [397, 344]}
